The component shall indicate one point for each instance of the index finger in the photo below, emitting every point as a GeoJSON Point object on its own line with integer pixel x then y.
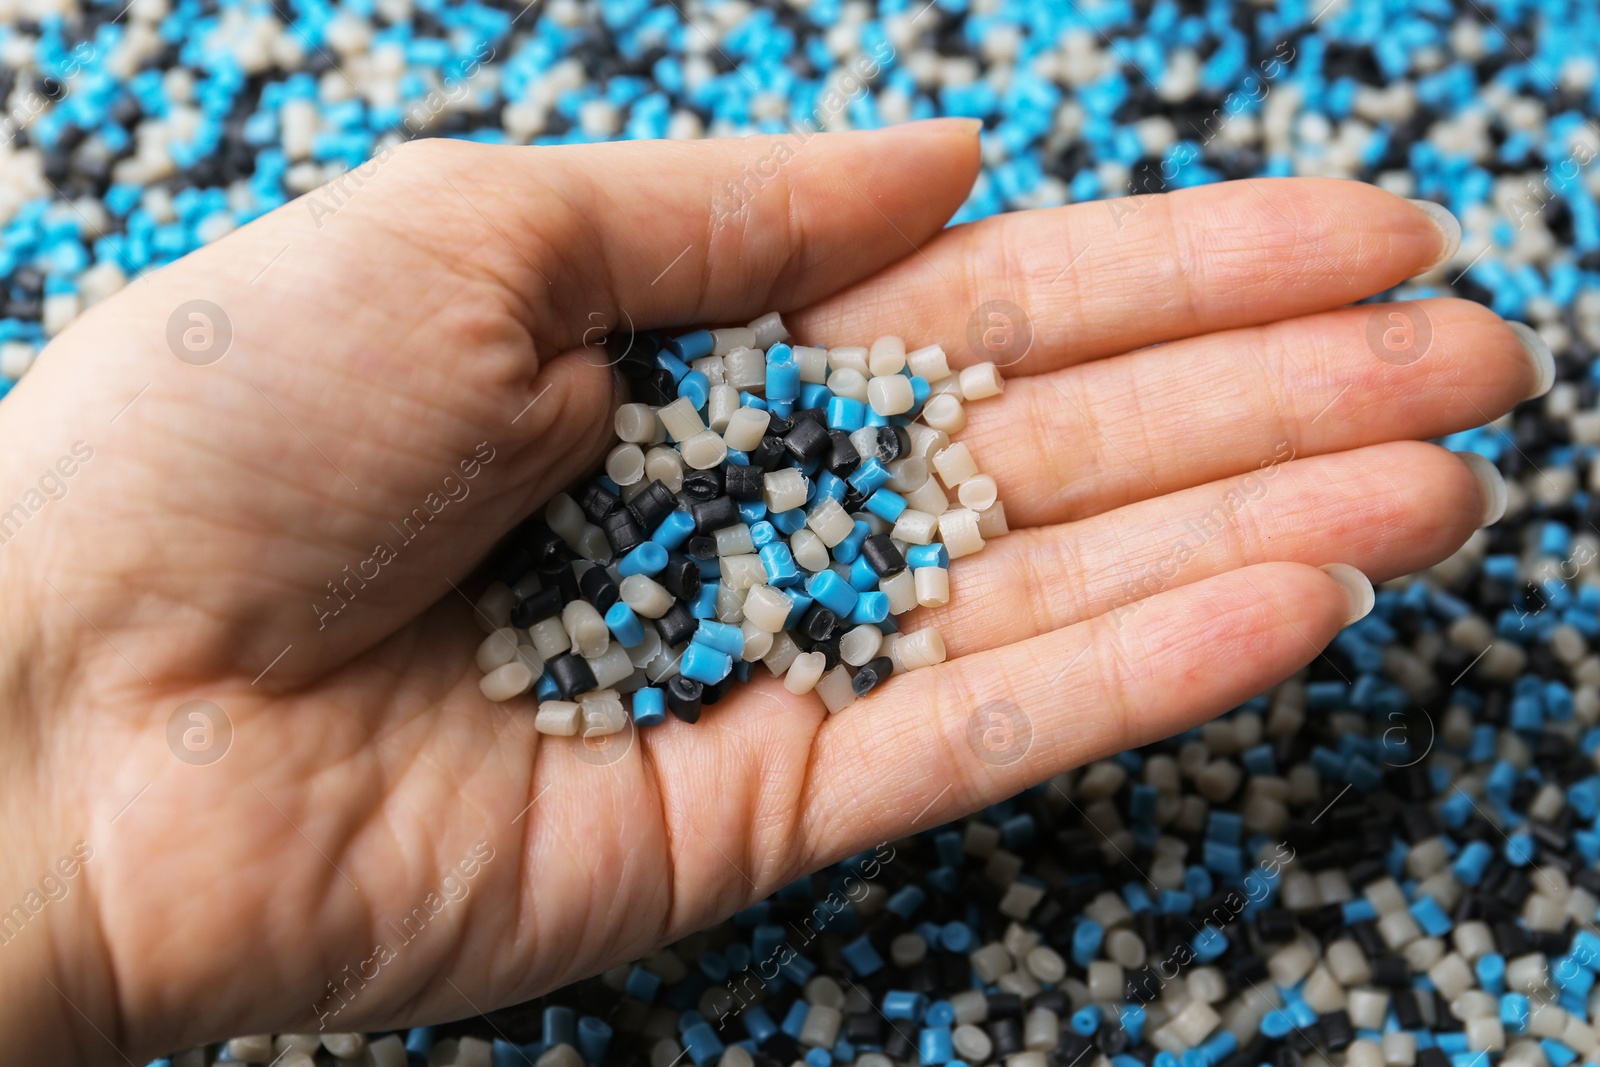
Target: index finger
{"type": "Point", "coordinates": [1036, 291]}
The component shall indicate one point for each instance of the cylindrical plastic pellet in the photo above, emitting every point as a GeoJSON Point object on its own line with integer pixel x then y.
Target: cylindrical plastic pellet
{"type": "Point", "coordinates": [890, 394]}
{"type": "Point", "coordinates": [958, 529]}
{"type": "Point", "coordinates": [872, 674]}
{"type": "Point", "coordinates": [526, 586]}
{"type": "Point", "coordinates": [603, 714]}
{"type": "Point", "coordinates": [813, 363]}
{"type": "Point", "coordinates": [928, 498]}
{"type": "Point", "coordinates": [1041, 1029]}
{"type": "Point", "coordinates": [498, 649]}
{"type": "Point", "coordinates": [860, 644]}
{"type": "Point", "coordinates": [722, 406]}
{"type": "Point", "coordinates": [848, 382]}
{"type": "Point", "coordinates": [550, 637]}
{"type": "Point", "coordinates": [853, 357]}
{"type": "Point", "coordinates": [978, 493]}
{"type": "Point", "coordinates": [625, 464]}
{"type": "Point", "coordinates": [908, 474]}
{"type": "Point", "coordinates": [785, 489]}
{"type": "Point", "coordinates": [782, 656]}
{"type": "Point", "coordinates": [830, 522]}
{"type": "Point", "coordinates": [345, 1046]}
{"type": "Point", "coordinates": [506, 681]}
{"type": "Point", "coordinates": [745, 368]}
{"type": "Point", "coordinates": [1366, 1053]}
{"type": "Point", "coordinates": [835, 689]}
{"type": "Point", "coordinates": [726, 340]}
{"type": "Point", "coordinates": [809, 550]}
{"type": "Point", "coordinates": [560, 1055]}
{"type": "Point", "coordinates": [821, 1028]}
{"type": "Point", "coordinates": [681, 419]}
{"type": "Point", "coordinates": [666, 1052]}
{"type": "Point", "coordinates": [730, 599]}
{"type": "Point", "coordinates": [887, 356]}
{"type": "Point", "coordinates": [901, 591]}
{"type": "Point", "coordinates": [746, 428]}
{"type": "Point", "coordinates": [981, 381]}
{"type": "Point", "coordinates": [915, 527]}
{"type": "Point", "coordinates": [767, 607]}
{"type": "Point", "coordinates": [1367, 1008]}
{"type": "Point", "coordinates": [704, 450]}
{"type": "Point", "coordinates": [257, 1048]}
{"type": "Point", "coordinates": [933, 586]}
{"type": "Point", "coordinates": [586, 628]}
{"type": "Point", "coordinates": [944, 413]}
{"type": "Point", "coordinates": [923, 648]}
{"type": "Point", "coordinates": [865, 440]}
{"type": "Point", "coordinates": [743, 572]}
{"type": "Point", "coordinates": [565, 518]}
{"type": "Point", "coordinates": [493, 609]}
{"type": "Point", "coordinates": [636, 423]}
{"type": "Point", "coordinates": [757, 641]}
{"type": "Point", "coordinates": [1399, 1049]}
{"type": "Point", "coordinates": [664, 465]}
{"type": "Point", "coordinates": [734, 540]}
{"type": "Point", "coordinates": [645, 596]}
{"type": "Point", "coordinates": [559, 719]}
{"type": "Point", "coordinates": [611, 667]}
{"type": "Point", "coordinates": [973, 1045]}
{"type": "Point", "coordinates": [930, 364]}
{"type": "Point", "coordinates": [593, 545]}
{"type": "Point", "coordinates": [926, 442]}
{"type": "Point", "coordinates": [386, 1051]}
{"type": "Point", "coordinates": [955, 464]}
{"type": "Point", "coordinates": [805, 670]}
{"type": "Point", "coordinates": [992, 521]}
{"type": "Point", "coordinates": [647, 649]}
{"type": "Point", "coordinates": [709, 368]}
{"type": "Point", "coordinates": [769, 330]}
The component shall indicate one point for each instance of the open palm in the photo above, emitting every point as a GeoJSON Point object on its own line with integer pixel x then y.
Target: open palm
{"type": "Point", "coordinates": [1194, 423]}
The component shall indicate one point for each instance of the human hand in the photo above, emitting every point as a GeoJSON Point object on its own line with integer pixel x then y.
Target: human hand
{"type": "Point", "coordinates": [439, 315]}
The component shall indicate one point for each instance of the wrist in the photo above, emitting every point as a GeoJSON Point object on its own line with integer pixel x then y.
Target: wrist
{"type": "Point", "coordinates": [57, 1002]}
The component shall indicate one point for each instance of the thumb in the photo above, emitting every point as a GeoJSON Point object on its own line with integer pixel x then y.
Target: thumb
{"type": "Point", "coordinates": [669, 233]}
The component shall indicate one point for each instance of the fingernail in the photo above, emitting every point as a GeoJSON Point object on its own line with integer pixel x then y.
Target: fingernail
{"type": "Point", "coordinates": [1357, 590]}
{"type": "Point", "coordinates": [940, 125]}
{"type": "Point", "coordinates": [1539, 354]}
{"type": "Point", "coordinates": [1492, 483]}
{"type": "Point", "coordinates": [1449, 229]}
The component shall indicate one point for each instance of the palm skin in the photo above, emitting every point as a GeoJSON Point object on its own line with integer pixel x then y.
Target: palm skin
{"type": "Point", "coordinates": [443, 309]}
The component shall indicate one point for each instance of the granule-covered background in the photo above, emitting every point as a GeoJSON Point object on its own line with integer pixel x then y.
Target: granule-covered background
{"type": "Point", "coordinates": [1446, 742]}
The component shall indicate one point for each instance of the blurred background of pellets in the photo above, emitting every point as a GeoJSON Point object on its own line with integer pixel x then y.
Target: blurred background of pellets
{"type": "Point", "coordinates": [1388, 861]}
